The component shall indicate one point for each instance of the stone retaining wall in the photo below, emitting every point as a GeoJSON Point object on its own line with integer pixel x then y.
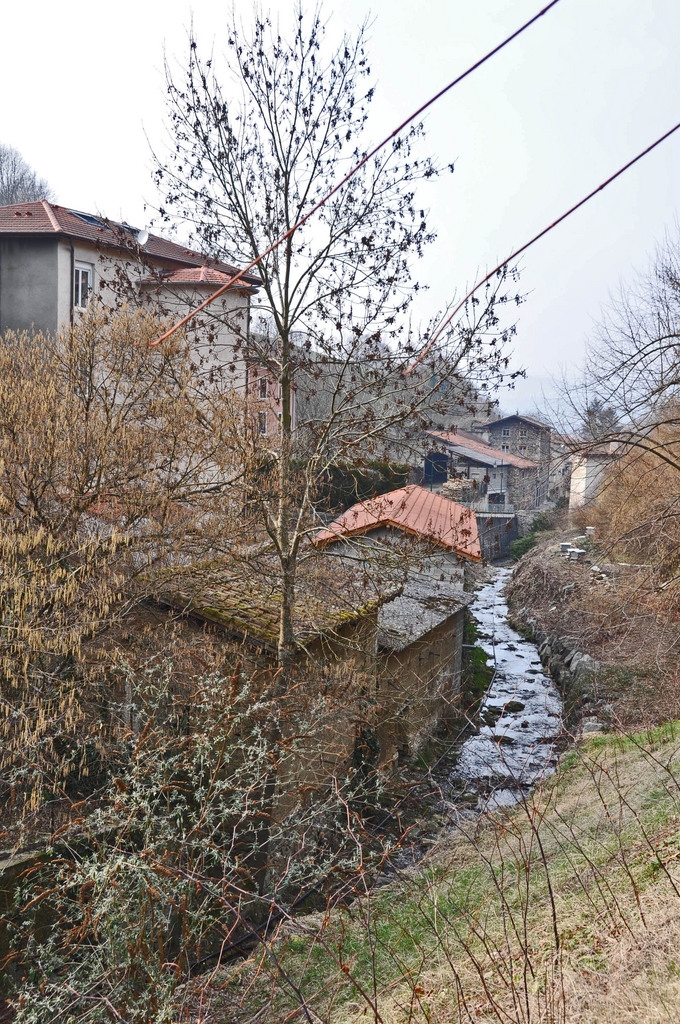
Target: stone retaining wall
{"type": "Point", "coordinates": [577, 674]}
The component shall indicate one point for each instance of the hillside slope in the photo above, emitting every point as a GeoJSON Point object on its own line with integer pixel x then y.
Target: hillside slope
{"type": "Point", "coordinates": [565, 909]}
{"type": "Point", "coordinates": [614, 611]}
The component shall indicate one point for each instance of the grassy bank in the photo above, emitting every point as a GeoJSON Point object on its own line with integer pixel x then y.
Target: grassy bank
{"type": "Point", "coordinates": [612, 611]}
{"type": "Point", "coordinates": [566, 908]}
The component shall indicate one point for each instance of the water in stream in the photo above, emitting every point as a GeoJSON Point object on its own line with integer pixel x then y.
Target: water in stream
{"type": "Point", "coordinates": [520, 714]}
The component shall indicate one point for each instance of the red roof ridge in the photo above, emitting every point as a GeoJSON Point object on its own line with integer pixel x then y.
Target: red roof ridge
{"type": "Point", "coordinates": [415, 510]}
{"type": "Point", "coordinates": [50, 213]}
{"type": "Point", "coordinates": [194, 276]}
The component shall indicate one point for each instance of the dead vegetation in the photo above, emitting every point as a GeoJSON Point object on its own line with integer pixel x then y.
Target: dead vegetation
{"type": "Point", "coordinates": [564, 909]}
{"type": "Point", "coordinates": [613, 610]}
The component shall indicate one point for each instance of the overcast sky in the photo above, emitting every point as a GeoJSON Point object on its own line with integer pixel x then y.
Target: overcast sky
{"type": "Point", "coordinates": [580, 93]}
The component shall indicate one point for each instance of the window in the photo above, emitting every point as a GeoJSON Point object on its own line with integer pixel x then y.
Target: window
{"type": "Point", "coordinates": [94, 222]}
{"type": "Point", "coordinates": [506, 431]}
{"type": "Point", "coordinates": [505, 447]}
{"type": "Point", "coordinates": [82, 284]}
{"type": "Point", "coordinates": [522, 431]}
{"type": "Point", "coordinates": [522, 449]}
{"type": "Point", "coordinates": [262, 391]}
{"type": "Point", "coordinates": [262, 423]}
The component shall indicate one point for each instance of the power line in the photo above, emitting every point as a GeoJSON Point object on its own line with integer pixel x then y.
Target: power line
{"type": "Point", "coordinates": [523, 248]}
{"type": "Point", "coordinates": [376, 149]}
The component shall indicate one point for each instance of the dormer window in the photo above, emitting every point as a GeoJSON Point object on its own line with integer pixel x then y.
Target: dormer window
{"type": "Point", "coordinates": [83, 275]}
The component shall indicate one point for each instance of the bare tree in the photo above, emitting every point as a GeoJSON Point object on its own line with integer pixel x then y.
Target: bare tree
{"type": "Point", "coordinates": [599, 420]}
{"type": "Point", "coordinates": [626, 411]}
{"type": "Point", "coordinates": [631, 378]}
{"type": "Point", "coordinates": [111, 459]}
{"type": "Point", "coordinates": [259, 134]}
{"type": "Point", "coordinates": [18, 182]}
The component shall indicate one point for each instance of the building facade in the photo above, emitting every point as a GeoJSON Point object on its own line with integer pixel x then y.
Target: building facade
{"type": "Point", "coordinates": [485, 478]}
{"type": "Point", "coordinates": [55, 262]}
{"type": "Point", "coordinates": [527, 438]}
{"type": "Point", "coordinates": [589, 471]}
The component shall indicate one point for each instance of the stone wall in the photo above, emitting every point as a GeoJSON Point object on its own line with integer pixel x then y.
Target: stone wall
{"type": "Point", "coordinates": [521, 486]}
{"type": "Point", "coordinates": [576, 674]}
{"type": "Point", "coordinates": [417, 688]}
{"type": "Point", "coordinates": [496, 532]}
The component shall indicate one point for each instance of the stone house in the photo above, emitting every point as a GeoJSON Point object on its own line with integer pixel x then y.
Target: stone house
{"type": "Point", "coordinates": [520, 435]}
{"type": "Point", "coordinates": [421, 541]}
{"type": "Point", "coordinates": [485, 478]}
{"type": "Point", "coordinates": [529, 439]}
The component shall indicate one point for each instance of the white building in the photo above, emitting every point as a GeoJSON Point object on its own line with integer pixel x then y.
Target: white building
{"type": "Point", "coordinates": [55, 261]}
{"type": "Point", "coordinates": [589, 472]}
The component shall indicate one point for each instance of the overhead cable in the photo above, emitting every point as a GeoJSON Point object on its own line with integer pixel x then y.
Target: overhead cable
{"type": "Point", "coordinates": [523, 248]}
{"type": "Point", "coordinates": [367, 156]}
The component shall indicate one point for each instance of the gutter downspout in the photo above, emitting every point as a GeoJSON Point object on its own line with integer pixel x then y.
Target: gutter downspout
{"type": "Point", "coordinates": [72, 281]}
{"type": "Point", "coordinates": [246, 353]}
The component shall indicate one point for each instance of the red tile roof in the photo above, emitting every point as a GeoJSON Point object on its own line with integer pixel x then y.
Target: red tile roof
{"type": "Point", "coordinates": [462, 441]}
{"type": "Point", "coordinates": [190, 275]}
{"type": "Point", "coordinates": [43, 218]}
{"type": "Point", "coordinates": [416, 511]}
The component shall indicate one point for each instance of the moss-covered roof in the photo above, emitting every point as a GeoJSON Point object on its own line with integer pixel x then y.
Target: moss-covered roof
{"type": "Point", "coordinates": [247, 601]}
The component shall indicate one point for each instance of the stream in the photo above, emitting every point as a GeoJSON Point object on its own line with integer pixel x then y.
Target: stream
{"type": "Point", "coordinates": [520, 715]}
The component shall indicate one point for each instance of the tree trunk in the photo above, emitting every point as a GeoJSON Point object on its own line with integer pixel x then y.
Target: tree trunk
{"type": "Point", "coordinates": [287, 544]}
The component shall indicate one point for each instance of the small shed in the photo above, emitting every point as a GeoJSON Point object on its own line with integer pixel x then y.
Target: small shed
{"type": "Point", "coordinates": [421, 541]}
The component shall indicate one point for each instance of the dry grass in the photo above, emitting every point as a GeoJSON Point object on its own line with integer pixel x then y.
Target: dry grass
{"type": "Point", "coordinates": [641, 981]}
{"type": "Point", "coordinates": [620, 616]}
{"type": "Point", "coordinates": [564, 910]}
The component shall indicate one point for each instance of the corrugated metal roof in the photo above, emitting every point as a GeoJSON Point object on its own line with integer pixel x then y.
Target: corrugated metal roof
{"type": "Point", "coordinates": [473, 447]}
{"type": "Point", "coordinates": [416, 511]}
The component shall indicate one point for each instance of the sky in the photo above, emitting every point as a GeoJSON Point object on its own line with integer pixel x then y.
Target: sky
{"type": "Point", "coordinates": [580, 93]}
